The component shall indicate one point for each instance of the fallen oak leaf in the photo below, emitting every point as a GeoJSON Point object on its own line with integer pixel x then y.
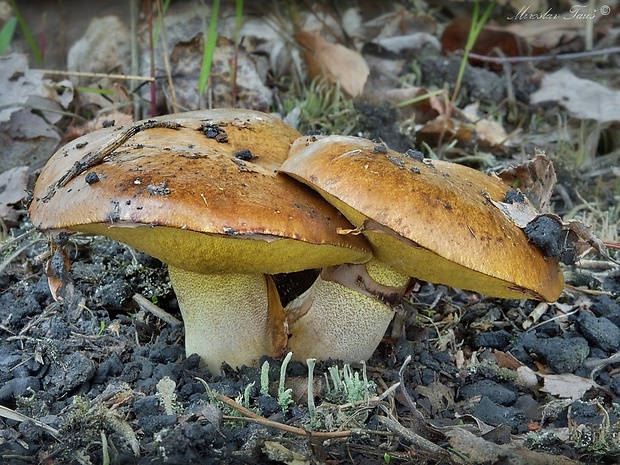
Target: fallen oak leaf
{"type": "Point", "coordinates": [567, 385]}
{"type": "Point", "coordinates": [586, 233]}
{"type": "Point", "coordinates": [57, 271]}
{"type": "Point", "coordinates": [336, 62]}
{"type": "Point", "coordinates": [535, 177]}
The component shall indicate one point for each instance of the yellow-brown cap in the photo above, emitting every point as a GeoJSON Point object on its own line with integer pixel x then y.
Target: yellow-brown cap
{"type": "Point", "coordinates": [189, 189]}
{"type": "Point", "coordinates": [428, 219]}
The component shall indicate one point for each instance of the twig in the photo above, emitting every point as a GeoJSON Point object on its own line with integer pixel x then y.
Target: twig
{"type": "Point", "coordinates": [135, 64]}
{"type": "Point", "coordinates": [94, 158]}
{"type": "Point", "coordinates": [600, 362]}
{"type": "Point", "coordinates": [415, 439]}
{"type": "Point", "coordinates": [149, 306]}
{"type": "Point", "coordinates": [403, 389]}
{"type": "Point", "coordinates": [372, 400]}
{"type": "Point", "coordinates": [563, 56]}
{"type": "Point", "coordinates": [254, 418]}
{"type": "Point", "coordinates": [596, 265]}
{"type": "Point", "coordinates": [13, 415]}
{"type": "Point", "coordinates": [164, 44]}
{"type": "Point", "coordinates": [126, 77]}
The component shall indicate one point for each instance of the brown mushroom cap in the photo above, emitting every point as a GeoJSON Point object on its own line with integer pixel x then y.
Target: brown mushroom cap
{"type": "Point", "coordinates": [186, 195]}
{"type": "Point", "coordinates": [428, 219]}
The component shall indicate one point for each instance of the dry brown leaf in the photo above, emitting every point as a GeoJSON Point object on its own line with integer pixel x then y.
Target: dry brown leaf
{"type": "Point", "coordinates": [548, 33]}
{"type": "Point", "coordinates": [478, 450]}
{"type": "Point", "coordinates": [567, 386]}
{"type": "Point", "coordinates": [582, 98]}
{"type": "Point", "coordinates": [29, 108]}
{"type": "Point", "coordinates": [440, 396]}
{"type": "Point", "coordinates": [506, 360]}
{"type": "Point", "coordinates": [13, 189]}
{"type": "Point", "coordinates": [490, 134]}
{"type": "Point", "coordinates": [490, 38]}
{"type": "Point", "coordinates": [448, 128]}
{"type": "Point", "coordinates": [535, 178]}
{"type": "Point", "coordinates": [336, 62]}
{"type": "Point", "coordinates": [421, 111]}
{"type": "Point", "coordinates": [57, 271]}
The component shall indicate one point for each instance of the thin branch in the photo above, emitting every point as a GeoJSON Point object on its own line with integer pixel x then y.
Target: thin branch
{"type": "Point", "coordinates": [126, 77]}
{"type": "Point", "coordinates": [415, 439]}
{"type": "Point", "coordinates": [254, 418]}
{"type": "Point", "coordinates": [563, 56]}
{"type": "Point", "coordinates": [150, 307]}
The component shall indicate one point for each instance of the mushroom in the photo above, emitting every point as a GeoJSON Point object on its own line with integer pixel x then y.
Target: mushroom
{"type": "Point", "coordinates": [432, 220]}
{"type": "Point", "coordinates": [199, 192]}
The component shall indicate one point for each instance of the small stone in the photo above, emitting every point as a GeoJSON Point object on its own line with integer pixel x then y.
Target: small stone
{"type": "Point", "coordinates": [492, 339]}
{"type": "Point", "coordinates": [545, 233]}
{"type": "Point", "coordinates": [514, 195]}
{"type": "Point", "coordinates": [601, 332]}
{"type": "Point", "coordinates": [562, 355]}
{"type": "Point", "coordinates": [615, 386]}
{"type": "Point", "coordinates": [496, 392]}
{"type": "Point", "coordinates": [605, 306]}
{"type": "Point", "coordinates": [414, 154]}
{"type": "Point", "coordinates": [494, 414]}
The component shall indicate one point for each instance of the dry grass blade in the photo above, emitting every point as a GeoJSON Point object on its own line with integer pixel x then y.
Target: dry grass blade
{"type": "Point", "coordinates": [16, 253]}
{"type": "Point", "coordinates": [254, 418]}
{"type": "Point", "coordinates": [9, 414]}
{"type": "Point", "coordinates": [415, 439]}
{"type": "Point", "coordinates": [149, 306]}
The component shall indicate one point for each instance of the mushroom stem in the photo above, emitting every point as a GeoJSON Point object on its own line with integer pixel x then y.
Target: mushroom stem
{"type": "Point", "coordinates": [345, 313]}
{"type": "Point", "coordinates": [232, 318]}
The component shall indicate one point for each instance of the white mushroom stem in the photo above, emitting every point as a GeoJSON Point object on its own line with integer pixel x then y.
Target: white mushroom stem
{"type": "Point", "coordinates": [345, 313]}
{"type": "Point", "coordinates": [232, 318]}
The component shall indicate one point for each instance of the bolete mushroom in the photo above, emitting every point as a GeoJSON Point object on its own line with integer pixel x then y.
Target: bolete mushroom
{"type": "Point", "coordinates": [198, 191]}
{"type": "Point", "coordinates": [432, 220]}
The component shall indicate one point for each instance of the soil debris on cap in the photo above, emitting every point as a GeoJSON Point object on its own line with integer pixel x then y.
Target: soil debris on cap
{"type": "Point", "coordinates": [214, 131]}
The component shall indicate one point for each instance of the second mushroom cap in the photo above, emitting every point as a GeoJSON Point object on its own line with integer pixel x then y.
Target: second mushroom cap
{"type": "Point", "coordinates": [432, 220]}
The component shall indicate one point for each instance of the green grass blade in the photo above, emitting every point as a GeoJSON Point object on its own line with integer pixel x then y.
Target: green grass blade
{"type": "Point", "coordinates": [160, 21]}
{"type": "Point", "coordinates": [477, 23]}
{"type": "Point", "coordinates": [6, 34]}
{"type": "Point", "coordinates": [210, 43]}
{"type": "Point", "coordinates": [34, 48]}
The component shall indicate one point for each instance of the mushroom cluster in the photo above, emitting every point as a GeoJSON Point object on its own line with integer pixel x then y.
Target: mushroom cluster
{"type": "Point", "coordinates": [227, 198]}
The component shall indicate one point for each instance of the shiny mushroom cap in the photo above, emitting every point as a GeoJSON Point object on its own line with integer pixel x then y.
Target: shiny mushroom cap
{"type": "Point", "coordinates": [432, 220]}
{"type": "Point", "coordinates": [189, 188]}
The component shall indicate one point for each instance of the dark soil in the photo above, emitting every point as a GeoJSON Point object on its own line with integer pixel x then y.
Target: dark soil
{"type": "Point", "coordinates": [90, 366]}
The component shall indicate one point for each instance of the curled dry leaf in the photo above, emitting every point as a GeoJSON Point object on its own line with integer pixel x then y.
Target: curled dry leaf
{"type": "Point", "coordinates": [13, 189]}
{"type": "Point", "coordinates": [490, 38]}
{"type": "Point", "coordinates": [567, 385]}
{"type": "Point", "coordinates": [535, 177]}
{"type": "Point", "coordinates": [527, 207]}
{"type": "Point", "coordinates": [582, 98]}
{"type": "Point", "coordinates": [334, 61]}
{"type": "Point", "coordinates": [58, 278]}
